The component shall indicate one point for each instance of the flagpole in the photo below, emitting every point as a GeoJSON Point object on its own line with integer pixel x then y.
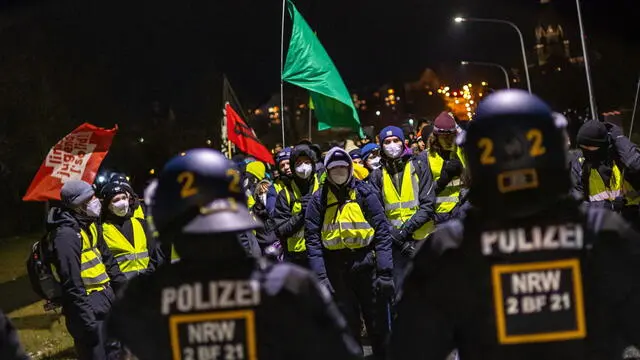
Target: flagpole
{"type": "Point", "coordinates": [284, 5]}
{"type": "Point", "coordinates": [310, 114]}
{"type": "Point", "coordinates": [635, 107]}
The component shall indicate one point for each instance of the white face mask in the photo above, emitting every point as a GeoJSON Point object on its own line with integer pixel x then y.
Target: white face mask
{"type": "Point", "coordinates": [93, 208]}
{"type": "Point", "coordinates": [304, 170]}
{"type": "Point", "coordinates": [374, 163]}
{"type": "Point", "coordinates": [120, 208]}
{"type": "Point", "coordinates": [393, 150]}
{"type": "Point", "coordinates": [339, 176]}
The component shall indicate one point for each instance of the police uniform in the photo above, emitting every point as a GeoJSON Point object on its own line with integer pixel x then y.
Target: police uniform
{"type": "Point", "coordinates": [290, 209]}
{"type": "Point", "coordinates": [217, 303]}
{"type": "Point", "coordinates": [349, 248]}
{"type": "Point", "coordinates": [528, 273]}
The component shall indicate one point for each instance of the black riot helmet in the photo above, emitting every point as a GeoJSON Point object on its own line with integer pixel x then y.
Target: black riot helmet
{"type": "Point", "coordinates": [199, 192]}
{"type": "Point", "coordinates": [516, 153]}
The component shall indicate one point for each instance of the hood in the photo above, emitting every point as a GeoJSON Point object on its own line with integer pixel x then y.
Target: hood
{"type": "Point", "coordinates": [58, 217]}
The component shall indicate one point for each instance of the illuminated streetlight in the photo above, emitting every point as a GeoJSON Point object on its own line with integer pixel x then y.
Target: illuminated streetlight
{"type": "Point", "coordinates": [378, 113]}
{"type": "Point", "coordinates": [459, 19]}
{"type": "Point", "coordinates": [208, 142]}
{"type": "Point", "coordinates": [152, 171]}
{"type": "Point", "coordinates": [141, 140]}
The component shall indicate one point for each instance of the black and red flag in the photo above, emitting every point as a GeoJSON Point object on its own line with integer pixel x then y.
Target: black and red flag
{"type": "Point", "coordinates": [243, 137]}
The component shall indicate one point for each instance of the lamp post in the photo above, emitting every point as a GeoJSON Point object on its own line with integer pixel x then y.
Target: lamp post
{"type": "Point", "coordinates": [480, 63]}
{"type": "Point", "coordinates": [516, 28]}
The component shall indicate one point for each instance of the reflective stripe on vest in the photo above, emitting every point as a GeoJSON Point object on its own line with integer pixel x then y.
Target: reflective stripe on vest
{"type": "Point", "coordinates": [92, 270]}
{"type": "Point", "coordinates": [598, 191]}
{"type": "Point", "coordinates": [174, 255]}
{"type": "Point", "coordinates": [345, 227]}
{"type": "Point", "coordinates": [399, 208]}
{"type": "Point", "coordinates": [449, 197]}
{"type": "Point", "coordinates": [138, 213]}
{"type": "Point", "coordinates": [132, 259]}
{"type": "Point", "coordinates": [296, 243]}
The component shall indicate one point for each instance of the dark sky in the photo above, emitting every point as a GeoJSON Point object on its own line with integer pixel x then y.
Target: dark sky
{"type": "Point", "coordinates": [166, 48]}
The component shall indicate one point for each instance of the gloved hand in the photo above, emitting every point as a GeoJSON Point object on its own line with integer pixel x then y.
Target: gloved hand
{"type": "Point", "coordinates": [304, 201]}
{"type": "Point", "coordinates": [618, 204]}
{"type": "Point", "coordinates": [614, 130]}
{"type": "Point", "coordinates": [273, 252]}
{"type": "Point", "coordinates": [327, 285]}
{"type": "Point", "coordinates": [453, 167]}
{"type": "Point", "coordinates": [398, 236]}
{"type": "Point", "coordinates": [384, 287]}
{"type": "Point", "coordinates": [408, 249]}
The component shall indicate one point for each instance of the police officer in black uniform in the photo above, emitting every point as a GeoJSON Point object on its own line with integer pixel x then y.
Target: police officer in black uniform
{"type": "Point", "coordinates": [528, 273]}
{"type": "Point", "coordinates": [218, 303]}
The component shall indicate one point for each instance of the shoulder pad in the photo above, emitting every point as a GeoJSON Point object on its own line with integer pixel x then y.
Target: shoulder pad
{"type": "Point", "coordinates": [448, 235]}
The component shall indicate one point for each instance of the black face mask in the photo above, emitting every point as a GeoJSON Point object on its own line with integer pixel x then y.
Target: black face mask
{"type": "Point", "coordinates": [595, 156]}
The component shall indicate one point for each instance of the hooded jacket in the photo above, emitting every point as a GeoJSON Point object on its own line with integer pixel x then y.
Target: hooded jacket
{"type": "Point", "coordinates": [426, 194]}
{"type": "Point", "coordinates": [371, 208]}
{"type": "Point", "coordinates": [64, 227]}
{"type": "Point", "coordinates": [287, 224]}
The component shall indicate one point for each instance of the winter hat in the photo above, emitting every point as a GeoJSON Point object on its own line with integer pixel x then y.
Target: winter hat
{"type": "Point", "coordinates": [355, 153]}
{"type": "Point", "coordinates": [283, 155]}
{"type": "Point", "coordinates": [593, 133]}
{"type": "Point", "coordinates": [337, 157]}
{"type": "Point", "coordinates": [257, 169]}
{"type": "Point", "coordinates": [444, 124]}
{"type": "Point", "coordinates": [391, 131]}
{"type": "Point", "coordinates": [113, 188]}
{"type": "Point", "coordinates": [368, 149]}
{"type": "Point", "coordinates": [75, 192]}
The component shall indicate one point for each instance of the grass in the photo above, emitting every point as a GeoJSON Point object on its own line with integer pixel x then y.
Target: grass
{"type": "Point", "coordinates": [43, 334]}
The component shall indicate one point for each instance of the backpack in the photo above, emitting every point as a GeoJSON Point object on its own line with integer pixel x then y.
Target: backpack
{"type": "Point", "coordinates": [43, 281]}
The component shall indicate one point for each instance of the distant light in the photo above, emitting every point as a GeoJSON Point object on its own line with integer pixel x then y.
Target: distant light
{"type": "Point", "coordinates": [390, 91]}
{"type": "Point", "coordinates": [447, 94]}
{"type": "Point", "coordinates": [208, 142]}
{"type": "Point", "coordinates": [128, 178]}
{"type": "Point", "coordinates": [464, 63]}
{"type": "Point", "coordinates": [141, 140]}
{"type": "Point", "coordinates": [471, 102]}
{"type": "Point", "coordinates": [101, 179]}
{"type": "Point", "coordinates": [457, 101]}
{"type": "Point", "coordinates": [455, 93]}
{"type": "Point", "coordinates": [398, 98]}
{"type": "Point", "coordinates": [431, 92]}
{"type": "Point", "coordinates": [469, 85]}
{"type": "Point", "coordinates": [411, 122]}
{"type": "Point", "coordinates": [378, 113]}
{"type": "Point", "coordinates": [183, 153]}
{"type": "Point", "coordinates": [466, 87]}
{"type": "Point", "coordinates": [439, 91]}
{"type": "Point", "coordinates": [459, 19]}
{"type": "Point", "coordinates": [480, 94]}
{"type": "Point", "coordinates": [484, 83]}
{"type": "Point", "coordinates": [152, 171]}
{"type": "Point", "coordinates": [446, 88]}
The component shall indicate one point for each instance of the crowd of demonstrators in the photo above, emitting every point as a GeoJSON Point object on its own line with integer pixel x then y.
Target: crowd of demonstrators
{"type": "Point", "coordinates": [343, 243]}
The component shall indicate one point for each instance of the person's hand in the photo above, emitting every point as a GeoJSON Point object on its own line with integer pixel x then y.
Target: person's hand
{"type": "Point", "coordinates": [384, 287]}
{"type": "Point", "coordinates": [453, 167]}
{"type": "Point", "coordinates": [408, 249]}
{"type": "Point", "coordinates": [614, 130]}
{"type": "Point", "coordinates": [398, 236]}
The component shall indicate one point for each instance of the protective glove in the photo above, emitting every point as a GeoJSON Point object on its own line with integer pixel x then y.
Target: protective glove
{"type": "Point", "coordinates": [273, 252]}
{"type": "Point", "coordinates": [618, 204]}
{"type": "Point", "coordinates": [398, 236]}
{"type": "Point", "coordinates": [453, 167]}
{"type": "Point", "coordinates": [327, 285]}
{"type": "Point", "coordinates": [408, 249]}
{"type": "Point", "coordinates": [384, 287]}
{"type": "Point", "coordinates": [614, 130]}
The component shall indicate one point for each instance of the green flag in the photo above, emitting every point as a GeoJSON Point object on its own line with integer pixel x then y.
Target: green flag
{"type": "Point", "coordinates": [309, 66]}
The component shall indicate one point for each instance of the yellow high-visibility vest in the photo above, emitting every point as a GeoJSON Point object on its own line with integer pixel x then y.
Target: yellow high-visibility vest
{"type": "Point", "coordinates": [449, 197]}
{"type": "Point", "coordinates": [92, 270]}
{"type": "Point", "coordinates": [344, 225]}
{"type": "Point", "coordinates": [174, 255]}
{"type": "Point", "coordinates": [132, 259]}
{"type": "Point", "coordinates": [138, 213]}
{"type": "Point", "coordinates": [399, 208]}
{"type": "Point", "coordinates": [296, 243]}
{"type": "Point", "coordinates": [598, 191]}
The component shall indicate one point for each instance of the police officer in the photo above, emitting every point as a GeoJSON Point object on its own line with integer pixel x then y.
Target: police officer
{"type": "Point", "coordinates": [129, 239]}
{"type": "Point", "coordinates": [292, 203]}
{"type": "Point", "coordinates": [528, 273]}
{"type": "Point", "coordinates": [85, 268]}
{"type": "Point", "coordinates": [405, 186]}
{"type": "Point", "coordinates": [446, 161]}
{"type": "Point", "coordinates": [10, 347]}
{"type": "Point", "coordinates": [349, 247]}
{"type": "Point", "coordinates": [217, 303]}
{"type": "Point", "coordinates": [606, 175]}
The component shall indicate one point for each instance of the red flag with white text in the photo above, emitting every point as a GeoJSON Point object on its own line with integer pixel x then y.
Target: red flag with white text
{"type": "Point", "coordinates": [243, 137]}
{"type": "Point", "coordinates": [77, 156]}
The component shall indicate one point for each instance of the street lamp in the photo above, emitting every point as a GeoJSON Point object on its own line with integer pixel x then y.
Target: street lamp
{"type": "Point", "coordinates": [480, 63]}
{"type": "Point", "coordinates": [515, 27]}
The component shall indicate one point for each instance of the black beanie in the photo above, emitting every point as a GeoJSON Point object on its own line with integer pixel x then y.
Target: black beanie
{"type": "Point", "coordinates": [593, 133]}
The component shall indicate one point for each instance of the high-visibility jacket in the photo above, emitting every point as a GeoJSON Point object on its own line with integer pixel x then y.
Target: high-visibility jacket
{"type": "Point", "coordinates": [399, 208]}
{"type": "Point", "coordinates": [344, 225]}
{"type": "Point", "coordinates": [138, 213]}
{"type": "Point", "coordinates": [296, 243]}
{"type": "Point", "coordinates": [174, 255]}
{"type": "Point", "coordinates": [279, 185]}
{"type": "Point", "coordinates": [132, 259]}
{"type": "Point", "coordinates": [449, 197]}
{"type": "Point", "coordinates": [599, 191]}
{"type": "Point", "coordinates": [92, 270]}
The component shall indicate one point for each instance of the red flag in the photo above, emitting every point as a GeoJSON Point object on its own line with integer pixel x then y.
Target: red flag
{"type": "Point", "coordinates": [242, 136]}
{"type": "Point", "coordinates": [76, 157]}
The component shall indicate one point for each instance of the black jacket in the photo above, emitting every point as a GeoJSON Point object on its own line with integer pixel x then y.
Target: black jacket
{"type": "Point", "coordinates": [64, 226]}
{"type": "Point", "coordinates": [10, 348]}
{"type": "Point", "coordinates": [451, 297]}
{"type": "Point", "coordinates": [294, 318]}
{"type": "Point", "coordinates": [426, 196]}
